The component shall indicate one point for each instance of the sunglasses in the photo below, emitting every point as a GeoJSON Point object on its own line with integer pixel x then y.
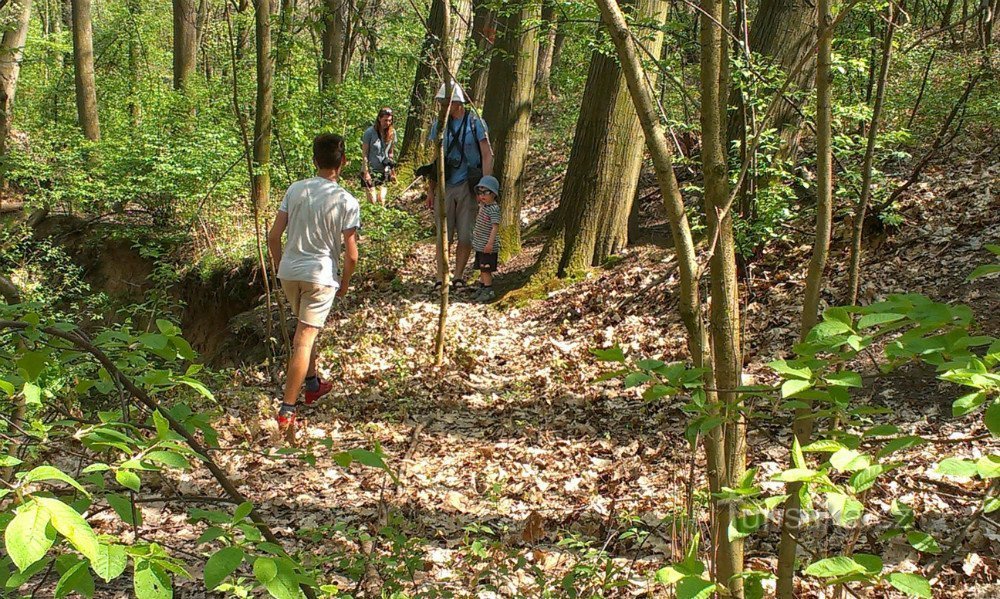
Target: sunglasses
{"type": "Point", "coordinates": [483, 190]}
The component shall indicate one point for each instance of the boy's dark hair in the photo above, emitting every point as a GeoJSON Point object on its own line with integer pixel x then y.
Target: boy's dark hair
{"type": "Point", "coordinates": [328, 150]}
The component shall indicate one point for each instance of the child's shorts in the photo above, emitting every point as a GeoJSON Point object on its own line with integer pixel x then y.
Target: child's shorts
{"type": "Point", "coordinates": [486, 262]}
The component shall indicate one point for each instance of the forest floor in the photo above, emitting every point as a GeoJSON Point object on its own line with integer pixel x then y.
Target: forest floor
{"type": "Point", "coordinates": [519, 475]}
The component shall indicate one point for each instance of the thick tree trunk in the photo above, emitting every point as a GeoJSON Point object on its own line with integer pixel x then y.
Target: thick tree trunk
{"type": "Point", "coordinates": [509, 96]}
{"type": "Point", "coordinates": [481, 39]}
{"type": "Point", "coordinates": [726, 452]}
{"type": "Point", "coordinates": [605, 160]}
{"type": "Point", "coordinates": [425, 84]}
{"type": "Point", "coordinates": [546, 47]}
{"type": "Point", "coordinates": [803, 423]}
{"type": "Point", "coordinates": [83, 57]}
{"type": "Point", "coordinates": [11, 52]}
{"type": "Point", "coordinates": [334, 35]}
{"type": "Point", "coordinates": [781, 33]}
{"type": "Point", "coordinates": [264, 106]}
{"type": "Point", "coordinates": [185, 41]}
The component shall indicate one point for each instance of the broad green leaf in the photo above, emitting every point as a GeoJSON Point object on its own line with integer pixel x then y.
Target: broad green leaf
{"type": "Point", "coordinates": [844, 508]}
{"type": "Point", "coordinates": [849, 460]}
{"type": "Point", "coordinates": [634, 379]}
{"type": "Point", "coordinates": [71, 525]}
{"type": "Point", "coordinates": [9, 461]}
{"type": "Point", "coordinates": [881, 430]}
{"type": "Point", "coordinates": [76, 580]}
{"type": "Point", "coordinates": [162, 425]}
{"type": "Point", "coordinates": [285, 584]}
{"type": "Point", "coordinates": [791, 387]}
{"type": "Point", "coordinates": [124, 508]}
{"type": "Point", "coordinates": [871, 563]}
{"type": "Point", "coordinates": [32, 364]}
{"type": "Point", "coordinates": [967, 403]}
{"type": "Point", "coordinates": [668, 575]}
{"type": "Point", "coordinates": [913, 585]}
{"type": "Point", "coordinates": [957, 467]}
{"type": "Point", "coordinates": [111, 561]}
{"type": "Point", "coordinates": [991, 505]}
{"type": "Point", "coordinates": [614, 354]}
{"type": "Point", "coordinates": [798, 460]}
{"type": "Point", "coordinates": [168, 458]}
{"type": "Point", "coordinates": [151, 582]}
{"type": "Point", "coordinates": [923, 542]}
{"type": "Point", "coordinates": [242, 511]}
{"type": "Point", "coordinates": [32, 394]}
{"type": "Point", "coordinates": [864, 479]}
{"type": "Point", "coordinates": [211, 533]}
{"type": "Point", "coordinates": [992, 418]}
{"type": "Point", "coordinates": [658, 391]}
{"type": "Point", "coordinates": [834, 567]}
{"type": "Point", "coordinates": [693, 587]}
{"type": "Point", "coordinates": [50, 473]}
{"type": "Point", "coordinates": [983, 270]}
{"type": "Point", "coordinates": [223, 563]}
{"type": "Point", "coordinates": [649, 364]}
{"type": "Point", "coordinates": [988, 466]}
{"type": "Point", "coordinates": [784, 368]}
{"type": "Point", "coordinates": [900, 443]}
{"type": "Point", "coordinates": [28, 537]}
{"type": "Point", "coordinates": [793, 475]}
{"type": "Point", "coordinates": [128, 479]}
{"type": "Point", "coordinates": [823, 445]}
{"type": "Point", "coordinates": [846, 378]}
{"type": "Point", "coordinates": [873, 320]}
{"type": "Point", "coordinates": [265, 569]}
{"type": "Point", "coordinates": [902, 513]}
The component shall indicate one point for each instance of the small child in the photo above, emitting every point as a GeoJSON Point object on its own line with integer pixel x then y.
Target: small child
{"type": "Point", "coordinates": [484, 236]}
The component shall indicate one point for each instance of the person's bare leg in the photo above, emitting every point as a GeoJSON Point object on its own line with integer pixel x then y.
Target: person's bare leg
{"type": "Point", "coordinates": [462, 254]}
{"type": "Point", "coordinates": [299, 361]}
{"type": "Point", "coordinates": [313, 359]}
{"type": "Point", "coordinates": [383, 192]}
{"type": "Point", "coordinates": [486, 278]}
{"type": "Point", "coordinates": [370, 194]}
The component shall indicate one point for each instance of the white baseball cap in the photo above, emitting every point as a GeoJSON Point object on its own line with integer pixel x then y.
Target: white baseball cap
{"type": "Point", "coordinates": [457, 94]}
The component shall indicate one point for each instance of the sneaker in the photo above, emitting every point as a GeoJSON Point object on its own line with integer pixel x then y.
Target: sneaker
{"type": "Point", "coordinates": [286, 421]}
{"type": "Point", "coordinates": [313, 396]}
{"type": "Point", "coordinates": [486, 294]}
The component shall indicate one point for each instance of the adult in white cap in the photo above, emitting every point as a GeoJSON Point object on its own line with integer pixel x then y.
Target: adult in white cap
{"type": "Point", "coordinates": [468, 156]}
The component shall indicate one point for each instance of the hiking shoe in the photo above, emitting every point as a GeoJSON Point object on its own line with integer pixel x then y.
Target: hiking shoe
{"type": "Point", "coordinates": [485, 295]}
{"type": "Point", "coordinates": [286, 417]}
{"type": "Point", "coordinates": [458, 285]}
{"type": "Point", "coordinates": [313, 396]}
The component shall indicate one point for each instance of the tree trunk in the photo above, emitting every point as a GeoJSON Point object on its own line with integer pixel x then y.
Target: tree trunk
{"type": "Point", "coordinates": [724, 318]}
{"type": "Point", "coordinates": [264, 106]}
{"type": "Point", "coordinates": [543, 71]}
{"type": "Point", "coordinates": [185, 42]}
{"type": "Point", "coordinates": [425, 84]}
{"type": "Point", "coordinates": [802, 426]}
{"type": "Point", "coordinates": [334, 36]}
{"type": "Point", "coordinates": [134, 8]}
{"type": "Point", "coordinates": [605, 161]}
{"type": "Point", "coordinates": [509, 96]}
{"type": "Point", "coordinates": [83, 57]}
{"type": "Point", "coordinates": [781, 33]}
{"type": "Point", "coordinates": [860, 210]}
{"type": "Point", "coordinates": [11, 52]}
{"type": "Point", "coordinates": [481, 39]}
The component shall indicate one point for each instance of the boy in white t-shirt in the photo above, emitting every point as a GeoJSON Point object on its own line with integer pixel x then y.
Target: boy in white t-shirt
{"type": "Point", "coordinates": [318, 214]}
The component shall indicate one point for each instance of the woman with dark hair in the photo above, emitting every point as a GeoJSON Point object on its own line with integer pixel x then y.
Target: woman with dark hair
{"type": "Point", "coordinates": [377, 145]}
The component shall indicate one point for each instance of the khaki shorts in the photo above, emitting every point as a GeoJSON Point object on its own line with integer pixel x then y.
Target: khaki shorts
{"type": "Point", "coordinates": [311, 302]}
{"type": "Point", "coordinates": [460, 208]}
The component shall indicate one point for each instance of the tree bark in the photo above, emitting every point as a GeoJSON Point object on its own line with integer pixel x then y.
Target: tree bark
{"type": "Point", "coordinates": [414, 147]}
{"type": "Point", "coordinates": [11, 52]}
{"type": "Point", "coordinates": [860, 210]}
{"type": "Point", "coordinates": [83, 57]}
{"type": "Point", "coordinates": [481, 39]}
{"type": "Point", "coordinates": [724, 319]}
{"type": "Point", "coordinates": [605, 160]}
{"type": "Point", "coordinates": [334, 36]}
{"type": "Point", "coordinates": [185, 42]}
{"type": "Point", "coordinates": [264, 107]}
{"type": "Point", "coordinates": [509, 96]}
{"type": "Point", "coordinates": [546, 48]}
{"type": "Point", "coordinates": [803, 424]}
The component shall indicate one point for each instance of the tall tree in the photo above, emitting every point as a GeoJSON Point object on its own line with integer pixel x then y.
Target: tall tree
{"type": "Point", "coordinates": [509, 96]}
{"type": "Point", "coordinates": [264, 107]}
{"type": "Point", "coordinates": [603, 169]}
{"type": "Point", "coordinates": [481, 39]}
{"type": "Point", "coordinates": [546, 49]}
{"type": "Point", "coordinates": [83, 57]}
{"type": "Point", "coordinates": [726, 443]}
{"type": "Point", "coordinates": [186, 27]}
{"type": "Point", "coordinates": [425, 85]}
{"type": "Point", "coordinates": [334, 42]}
{"type": "Point", "coordinates": [803, 423]}
{"type": "Point", "coordinates": [11, 52]}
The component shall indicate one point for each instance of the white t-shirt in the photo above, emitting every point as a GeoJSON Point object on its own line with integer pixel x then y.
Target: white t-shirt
{"type": "Point", "coordinates": [319, 211]}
